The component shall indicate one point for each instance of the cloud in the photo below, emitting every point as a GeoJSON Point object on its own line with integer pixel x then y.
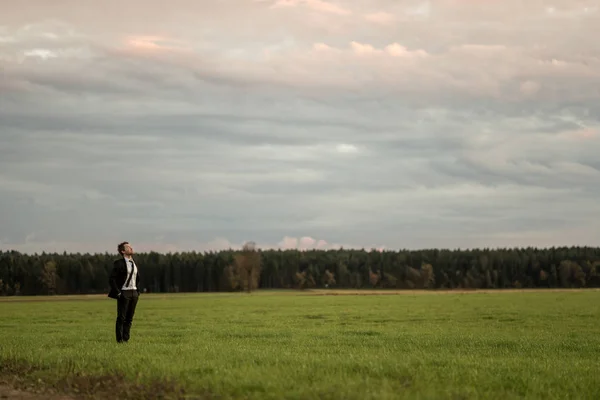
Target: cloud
{"type": "Point", "coordinates": [529, 87]}
{"type": "Point", "coordinates": [393, 49]}
{"type": "Point", "coordinates": [380, 17]}
{"type": "Point", "coordinates": [346, 148]}
{"type": "Point", "coordinates": [155, 43]}
{"type": "Point", "coordinates": [32, 244]}
{"type": "Point", "coordinates": [315, 5]}
{"type": "Point", "coordinates": [308, 128]}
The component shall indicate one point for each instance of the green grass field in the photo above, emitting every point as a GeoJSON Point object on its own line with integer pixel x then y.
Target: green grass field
{"type": "Point", "coordinates": [287, 345]}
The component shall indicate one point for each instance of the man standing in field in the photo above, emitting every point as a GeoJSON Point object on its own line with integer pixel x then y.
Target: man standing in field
{"type": "Point", "coordinates": [124, 281]}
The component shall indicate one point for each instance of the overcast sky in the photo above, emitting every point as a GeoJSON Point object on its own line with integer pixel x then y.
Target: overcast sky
{"type": "Point", "coordinates": [196, 125]}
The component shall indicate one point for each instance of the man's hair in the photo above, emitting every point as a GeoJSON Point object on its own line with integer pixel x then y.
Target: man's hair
{"type": "Point", "coordinates": [121, 247]}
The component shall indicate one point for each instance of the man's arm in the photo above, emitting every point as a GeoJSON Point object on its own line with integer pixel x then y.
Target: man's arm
{"type": "Point", "coordinates": [137, 281]}
{"type": "Point", "coordinates": [112, 280]}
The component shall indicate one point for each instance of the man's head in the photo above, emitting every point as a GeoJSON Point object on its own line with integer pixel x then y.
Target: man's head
{"type": "Point", "coordinates": [125, 249]}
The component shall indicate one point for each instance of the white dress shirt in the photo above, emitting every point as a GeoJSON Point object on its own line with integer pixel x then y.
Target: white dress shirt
{"type": "Point", "coordinates": [130, 264]}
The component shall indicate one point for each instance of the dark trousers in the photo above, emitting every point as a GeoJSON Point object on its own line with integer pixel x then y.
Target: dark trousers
{"type": "Point", "coordinates": [126, 304]}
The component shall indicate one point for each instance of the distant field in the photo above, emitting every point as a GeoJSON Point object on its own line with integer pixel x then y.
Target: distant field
{"type": "Point", "coordinates": [291, 345]}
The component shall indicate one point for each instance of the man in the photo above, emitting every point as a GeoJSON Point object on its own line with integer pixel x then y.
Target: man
{"type": "Point", "coordinates": [124, 286]}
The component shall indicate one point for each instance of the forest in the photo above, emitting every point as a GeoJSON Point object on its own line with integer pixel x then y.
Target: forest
{"type": "Point", "coordinates": [251, 269]}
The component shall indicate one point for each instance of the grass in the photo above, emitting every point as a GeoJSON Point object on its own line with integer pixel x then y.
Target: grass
{"type": "Point", "coordinates": [277, 345]}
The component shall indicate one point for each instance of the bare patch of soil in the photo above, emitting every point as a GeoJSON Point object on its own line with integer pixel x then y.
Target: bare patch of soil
{"type": "Point", "coordinates": [8, 392]}
{"type": "Point", "coordinates": [17, 382]}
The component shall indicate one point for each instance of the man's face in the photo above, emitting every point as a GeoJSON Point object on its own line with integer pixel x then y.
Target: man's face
{"type": "Point", "coordinates": [128, 250]}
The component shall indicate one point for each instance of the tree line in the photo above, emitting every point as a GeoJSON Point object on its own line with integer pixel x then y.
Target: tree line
{"type": "Point", "coordinates": [250, 269]}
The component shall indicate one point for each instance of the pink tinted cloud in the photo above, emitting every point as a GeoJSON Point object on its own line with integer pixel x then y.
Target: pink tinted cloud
{"type": "Point", "coordinates": [303, 243]}
{"type": "Point", "coordinates": [321, 47]}
{"type": "Point", "coordinates": [286, 243]}
{"type": "Point", "coordinates": [583, 134]}
{"type": "Point", "coordinates": [472, 69]}
{"type": "Point", "coordinates": [394, 50]}
{"type": "Point", "coordinates": [308, 243]}
{"type": "Point", "coordinates": [360, 48]}
{"type": "Point", "coordinates": [32, 245]}
{"type": "Point", "coordinates": [315, 5]}
{"type": "Point", "coordinates": [398, 50]}
{"type": "Point", "coordinates": [381, 17]}
{"type": "Point", "coordinates": [155, 43]}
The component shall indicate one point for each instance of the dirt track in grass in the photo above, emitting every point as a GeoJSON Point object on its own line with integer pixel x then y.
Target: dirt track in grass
{"type": "Point", "coordinates": [9, 392]}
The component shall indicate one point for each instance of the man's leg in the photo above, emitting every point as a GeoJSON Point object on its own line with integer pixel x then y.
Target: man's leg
{"type": "Point", "coordinates": [122, 306]}
{"type": "Point", "coordinates": [133, 299]}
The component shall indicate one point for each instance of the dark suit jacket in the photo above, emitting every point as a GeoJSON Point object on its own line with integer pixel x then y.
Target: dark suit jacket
{"type": "Point", "coordinates": [118, 277]}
